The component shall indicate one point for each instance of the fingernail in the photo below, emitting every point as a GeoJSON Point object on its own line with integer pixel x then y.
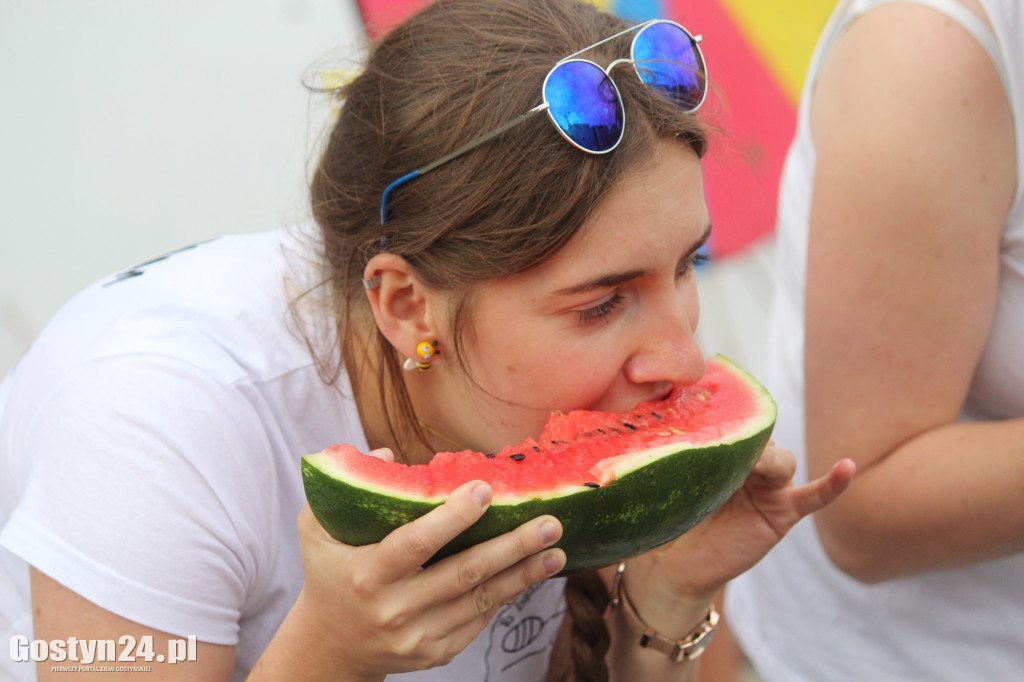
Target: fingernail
{"type": "Point", "coordinates": [552, 562]}
{"type": "Point", "coordinates": [549, 532]}
{"type": "Point", "coordinates": [482, 494]}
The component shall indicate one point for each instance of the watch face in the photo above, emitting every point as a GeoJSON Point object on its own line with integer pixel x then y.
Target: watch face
{"type": "Point", "coordinates": [701, 644]}
{"type": "Point", "coordinates": [700, 639]}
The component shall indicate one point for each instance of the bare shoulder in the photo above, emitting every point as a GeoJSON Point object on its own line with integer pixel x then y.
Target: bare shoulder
{"type": "Point", "coordinates": [910, 100]}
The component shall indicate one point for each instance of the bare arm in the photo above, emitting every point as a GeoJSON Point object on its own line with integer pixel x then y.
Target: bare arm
{"type": "Point", "coordinates": [914, 178]}
{"type": "Point", "coordinates": [60, 614]}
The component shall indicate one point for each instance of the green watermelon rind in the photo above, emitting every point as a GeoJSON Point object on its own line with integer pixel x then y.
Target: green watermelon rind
{"type": "Point", "coordinates": [656, 497]}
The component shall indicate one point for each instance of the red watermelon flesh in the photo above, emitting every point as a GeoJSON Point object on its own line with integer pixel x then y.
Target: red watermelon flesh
{"type": "Point", "coordinates": [581, 448]}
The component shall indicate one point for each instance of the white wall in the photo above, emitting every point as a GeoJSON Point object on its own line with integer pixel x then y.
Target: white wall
{"type": "Point", "coordinates": [735, 297]}
{"type": "Point", "coordinates": [129, 128]}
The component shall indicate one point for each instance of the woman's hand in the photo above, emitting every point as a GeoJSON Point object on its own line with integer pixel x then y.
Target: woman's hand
{"type": "Point", "coordinates": [377, 611]}
{"type": "Point", "coordinates": [672, 586]}
{"type": "Point", "coordinates": [734, 538]}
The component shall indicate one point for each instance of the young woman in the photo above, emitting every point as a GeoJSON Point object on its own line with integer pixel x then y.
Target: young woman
{"type": "Point", "coordinates": [153, 432]}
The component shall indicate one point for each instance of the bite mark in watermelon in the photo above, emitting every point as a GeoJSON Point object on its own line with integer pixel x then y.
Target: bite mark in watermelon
{"type": "Point", "coordinates": [620, 483]}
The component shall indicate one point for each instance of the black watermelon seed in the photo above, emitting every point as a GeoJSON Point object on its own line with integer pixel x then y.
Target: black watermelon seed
{"type": "Point", "coordinates": [519, 457]}
{"type": "Point", "coordinates": [656, 415]}
{"type": "Point", "coordinates": [601, 431]}
{"type": "Point", "coordinates": [591, 484]}
{"type": "Point", "coordinates": [629, 426]}
{"type": "Point", "coordinates": [536, 448]}
{"type": "Point", "coordinates": [489, 455]}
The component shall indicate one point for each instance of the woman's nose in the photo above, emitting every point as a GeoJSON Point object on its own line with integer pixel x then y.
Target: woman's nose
{"type": "Point", "coordinates": [667, 350]}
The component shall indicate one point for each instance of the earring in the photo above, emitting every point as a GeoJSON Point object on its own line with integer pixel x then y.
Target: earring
{"type": "Point", "coordinates": [425, 351]}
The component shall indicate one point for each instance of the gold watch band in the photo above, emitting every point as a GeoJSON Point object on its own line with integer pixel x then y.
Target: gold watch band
{"type": "Point", "coordinates": [688, 648]}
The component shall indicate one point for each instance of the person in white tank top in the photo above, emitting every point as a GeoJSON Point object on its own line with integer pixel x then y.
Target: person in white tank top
{"type": "Point", "coordinates": [897, 339]}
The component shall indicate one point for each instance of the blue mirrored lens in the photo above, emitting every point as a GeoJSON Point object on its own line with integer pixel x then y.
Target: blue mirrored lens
{"type": "Point", "coordinates": [666, 58]}
{"type": "Point", "coordinates": [585, 105]}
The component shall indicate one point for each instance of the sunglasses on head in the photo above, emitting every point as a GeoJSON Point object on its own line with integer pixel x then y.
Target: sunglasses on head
{"type": "Point", "coordinates": [584, 103]}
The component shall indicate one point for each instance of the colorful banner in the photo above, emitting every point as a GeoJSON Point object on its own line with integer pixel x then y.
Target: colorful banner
{"type": "Point", "coordinates": [757, 52]}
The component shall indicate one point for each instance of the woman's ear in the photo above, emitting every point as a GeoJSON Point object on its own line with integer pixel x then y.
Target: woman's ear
{"type": "Point", "coordinates": [403, 306]}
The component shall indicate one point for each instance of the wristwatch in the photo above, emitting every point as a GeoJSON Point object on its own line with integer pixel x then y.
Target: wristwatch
{"type": "Point", "coordinates": [688, 648]}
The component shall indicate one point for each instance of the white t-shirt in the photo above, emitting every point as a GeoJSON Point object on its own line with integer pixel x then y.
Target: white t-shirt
{"type": "Point", "coordinates": [149, 459]}
{"type": "Point", "coordinates": [798, 617]}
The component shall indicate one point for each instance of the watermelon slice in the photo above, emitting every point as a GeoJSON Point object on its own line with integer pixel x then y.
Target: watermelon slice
{"type": "Point", "coordinates": [620, 483]}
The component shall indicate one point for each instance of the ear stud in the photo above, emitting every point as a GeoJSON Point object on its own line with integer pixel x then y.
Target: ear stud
{"type": "Point", "coordinates": [425, 352]}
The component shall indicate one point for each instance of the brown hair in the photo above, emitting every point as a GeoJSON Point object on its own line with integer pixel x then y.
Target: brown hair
{"type": "Point", "coordinates": [454, 71]}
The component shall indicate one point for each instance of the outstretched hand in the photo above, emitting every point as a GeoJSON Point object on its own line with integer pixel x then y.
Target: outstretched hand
{"type": "Point", "coordinates": [744, 529]}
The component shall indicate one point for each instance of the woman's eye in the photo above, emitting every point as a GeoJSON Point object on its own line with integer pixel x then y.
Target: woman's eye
{"type": "Point", "coordinates": [687, 266]}
{"type": "Point", "coordinates": [600, 311]}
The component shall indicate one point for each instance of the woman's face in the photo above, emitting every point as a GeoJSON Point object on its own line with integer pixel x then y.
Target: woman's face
{"type": "Point", "coordinates": [607, 323]}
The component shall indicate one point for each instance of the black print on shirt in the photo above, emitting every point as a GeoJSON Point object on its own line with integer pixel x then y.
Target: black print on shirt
{"type": "Point", "coordinates": [515, 637]}
{"type": "Point", "coordinates": [138, 269]}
